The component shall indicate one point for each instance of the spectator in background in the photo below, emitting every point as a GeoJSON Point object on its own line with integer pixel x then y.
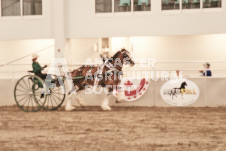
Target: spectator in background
{"type": "Point", "coordinates": [178, 73]}
{"type": "Point", "coordinates": [207, 72]}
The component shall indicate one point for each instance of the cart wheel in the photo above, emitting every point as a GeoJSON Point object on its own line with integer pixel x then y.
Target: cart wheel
{"type": "Point", "coordinates": [27, 93]}
{"type": "Point", "coordinates": [54, 98]}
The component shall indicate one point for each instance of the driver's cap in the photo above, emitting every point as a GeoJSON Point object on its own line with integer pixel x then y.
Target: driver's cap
{"type": "Point", "coordinates": [34, 56]}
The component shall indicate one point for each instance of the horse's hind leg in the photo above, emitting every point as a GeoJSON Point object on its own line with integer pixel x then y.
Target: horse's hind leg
{"type": "Point", "coordinates": [172, 94]}
{"type": "Point", "coordinates": [79, 99]}
{"type": "Point", "coordinates": [69, 106]}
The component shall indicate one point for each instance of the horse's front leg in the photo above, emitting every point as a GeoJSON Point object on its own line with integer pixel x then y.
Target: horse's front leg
{"type": "Point", "coordinates": [105, 103]}
{"type": "Point", "coordinates": [182, 96]}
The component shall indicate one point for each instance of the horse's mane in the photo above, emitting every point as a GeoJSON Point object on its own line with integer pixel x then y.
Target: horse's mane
{"type": "Point", "coordinates": [117, 53]}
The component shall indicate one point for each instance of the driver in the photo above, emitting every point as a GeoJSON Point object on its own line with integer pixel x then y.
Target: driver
{"type": "Point", "coordinates": [37, 68]}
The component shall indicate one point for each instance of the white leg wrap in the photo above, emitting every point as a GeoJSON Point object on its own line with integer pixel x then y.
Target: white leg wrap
{"type": "Point", "coordinates": [69, 106]}
{"type": "Point", "coordinates": [104, 104]}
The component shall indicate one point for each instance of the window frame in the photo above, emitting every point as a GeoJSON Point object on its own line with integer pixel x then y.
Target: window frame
{"type": "Point", "coordinates": [195, 10]}
{"type": "Point", "coordinates": [21, 16]}
{"type": "Point", "coordinates": [129, 13]}
{"type": "Point", "coordinates": [138, 13]}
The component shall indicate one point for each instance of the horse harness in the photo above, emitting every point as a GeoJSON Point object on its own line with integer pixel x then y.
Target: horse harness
{"type": "Point", "coordinates": [99, 74]}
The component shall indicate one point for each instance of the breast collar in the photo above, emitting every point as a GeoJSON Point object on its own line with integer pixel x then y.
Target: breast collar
{"type": "Point", "coordinates": [109, 65]}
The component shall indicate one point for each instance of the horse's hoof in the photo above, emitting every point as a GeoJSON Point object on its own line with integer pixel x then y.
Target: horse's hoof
{"type": "Point", "coordinates": [119, 101]}
{"type": "Point", "coordinates": [83, 106]}
{"type": "Point", "coordinates": [106, 108]}
{"type": "Point", "coordinates": [70, 108]}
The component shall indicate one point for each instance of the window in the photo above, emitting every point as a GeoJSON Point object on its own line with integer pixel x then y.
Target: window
{"type": "Point", "coordinates": [190, 4]}
{"type": "Point", "coordinates": [32, 7]}
{"type": "Point", "coordinates": [186, 6]}
{"type": "Point", "coordinates": [211, 3]}
{"type": "Point", "coordinates": [14, 7]}
{"type": "Point", "coordinates": [10, 7]}
{"type": "Point", "coordinates": [170, 4]}
{"type": "Point", "coordinates": [122, 6]}
{"type": "Point", "coordinates": [110, 6]}
{"type": "Point", "coordinates": [103, 6]}
{"type": "Point", "coordinates": [142, 5]}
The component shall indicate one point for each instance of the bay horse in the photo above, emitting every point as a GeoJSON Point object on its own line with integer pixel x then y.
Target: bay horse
{"type": "Point", "coordinates": [107, 76]}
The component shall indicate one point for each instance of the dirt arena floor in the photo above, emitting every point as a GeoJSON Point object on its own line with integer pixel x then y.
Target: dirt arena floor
{"type": "Point", "coordinates": [123, 128]}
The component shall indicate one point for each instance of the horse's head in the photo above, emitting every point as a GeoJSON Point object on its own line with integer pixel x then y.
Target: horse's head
{"type": "Point", "coordinates": [184, 84]}
{"type": "Point", "coordinates": [124, 56]}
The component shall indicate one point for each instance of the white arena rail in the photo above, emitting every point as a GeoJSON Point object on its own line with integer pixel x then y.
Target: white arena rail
{"type": "Point", "coordinates": [212, 89]}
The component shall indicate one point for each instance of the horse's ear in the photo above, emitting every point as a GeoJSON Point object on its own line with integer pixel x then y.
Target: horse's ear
{"type": "Point", "coordinates": [123, 49]}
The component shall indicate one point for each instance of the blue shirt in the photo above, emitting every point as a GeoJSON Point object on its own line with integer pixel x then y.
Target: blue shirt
{"type": "Point", "coordinates": [207, 73]}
